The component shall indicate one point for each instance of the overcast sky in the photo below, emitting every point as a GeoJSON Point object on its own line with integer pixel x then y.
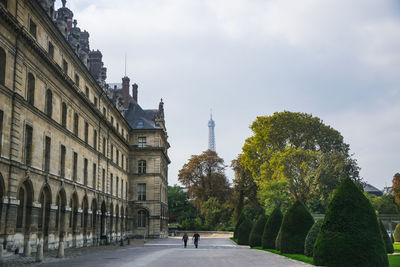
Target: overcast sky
{"type": "Point", "coordinates": [336, 59]}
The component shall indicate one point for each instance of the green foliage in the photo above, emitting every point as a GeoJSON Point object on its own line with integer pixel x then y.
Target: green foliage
{"type": "Point", "coordinates": [244, 232]}
{"type": "Point", "coordinates": [295, 226]}
{"type": "Point", "coordinates": [397, 233]}
{"type": "Point", "coordinates": [278, 241]}
{"type": "Point", "coordinates": [386, 239]}
{"type": "Point", "coordinates": [271, 229]}
{"type": "Point", "coordinates": [294, 155]}
{"type": "Point", "coordinates": [297, 257]}
{"type": "Point", "coordinates": [242, 217]}
{"type": "Point", "coordinates": [384, 204]}
{"type": "Point", "coordinates": [179, 207]}
{"type": "Point", "coordinates": [350, 234]}
{"type": "Point", "coordinates": [311, 237]}
{"type": "Point", "coordinates": [257, 231]}
{"type": "Point", "coordinates": [394, 260]}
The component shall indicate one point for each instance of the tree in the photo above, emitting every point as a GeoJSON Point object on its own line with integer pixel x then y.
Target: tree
{"type": "Point", "coordinates": [244, 190]}
{"type": "Point", "coordinates": [396, 187]}
{"type": "Point", "coordinates": [298, 154]}
{"type": "Point", "coordinates": [255, 239]}
{"type": "Point", "coordinates": [350, 234]}
{"type": "Point", "coordinates": [295, 226]}
{"type": "Point", "coordinates": [386, 239]}
{"type": "Point", "coordinates": [204, 176]}
{"type": "Point", "coordinates": [215, 213]}
{"type": "Point", "coordinates": [244, 232]}
{"type": "Point", "coordinates": [179, 207]}
{"type": "Point", "coordinates": [311, 237]}
{"type": "Point", "coordinates": [397, 233]}
{"type": "Point", "coordinates": [384, 204]}
{"type": "Point", "coordinates": [271, 229]}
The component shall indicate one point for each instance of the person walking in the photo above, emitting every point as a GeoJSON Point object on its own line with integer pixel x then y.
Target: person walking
{"type": "Point", "coordinates": [185, 239]}
{"type": "Point", "coordinates": [196, 238]}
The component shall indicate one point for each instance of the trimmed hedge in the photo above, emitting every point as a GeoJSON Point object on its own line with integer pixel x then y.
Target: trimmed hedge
{"type": "Point", "coordinates": [278, 241]}
{"type": "Point", "coordinates": [311, 237]}
{"type": "Point", "coordinates": [295, 226]}
{"type": "Point", "coordinates": [257, 231]}
{"type": "Point", "coordinates": [238, 223]}
{"type": "Point", "coordinates": [397, 233]}
{"type": "Point", "coordinates": [244, 232]}
{"type": "Point", "coordinates": [386, 239]}
{"type": "Point", "coordinates": [350, 234]}
{"type": "Point", "coordinates": [271, 229]}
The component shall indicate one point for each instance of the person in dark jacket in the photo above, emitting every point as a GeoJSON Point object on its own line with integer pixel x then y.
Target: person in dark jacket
{"type": "Point", "coordinates": [185, 239]}
{"type": "Point", "coordinates": [196, 238]}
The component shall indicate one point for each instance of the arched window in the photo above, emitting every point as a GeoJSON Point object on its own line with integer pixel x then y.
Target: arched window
{"type": "Point", "coordinates": [21, 207]}
{"type": "Point", "coordinates": [142, 167]}
{"type": "Point", "coordinates": [64, 115]}
{"type": "Point", "coordinates": [49, 102]}
{"type": "Point", "coordinates": [2, 66]}
{"type": "Point", "coordinates": [30, 96]}
{"type": "Point", "coordinates": [141, 222]}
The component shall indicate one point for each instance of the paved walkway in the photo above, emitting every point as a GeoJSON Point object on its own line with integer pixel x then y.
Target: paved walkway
{"type": "Point", "coordinates": [219, 252]}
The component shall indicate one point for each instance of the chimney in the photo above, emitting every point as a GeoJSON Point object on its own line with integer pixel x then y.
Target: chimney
{"type": "Point", "coordinates": [125, 91]}
{"type": "Point", "coordinates": [134, 91]}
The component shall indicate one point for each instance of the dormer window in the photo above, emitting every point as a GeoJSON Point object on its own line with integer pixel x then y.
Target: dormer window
{"type": "Point", "coordinates": [142, 141]}
{"type": "Point", "coordinates": [139, 123]}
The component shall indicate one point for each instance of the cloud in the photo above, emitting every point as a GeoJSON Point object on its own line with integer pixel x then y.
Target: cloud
{"type": "Point", "coordinates": [336, 59]}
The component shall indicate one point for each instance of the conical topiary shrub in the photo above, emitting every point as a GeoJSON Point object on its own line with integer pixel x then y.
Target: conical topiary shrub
{"type": "Point", "coordinates": [397, 233]}
{"type": "Point", "coordinates": [271, 229]}
{"type": "Point", "coordinates": [257, 231]}
{"type": "Point", "coordinates": [244, 232]}
{"type": "Point", "coordinates": [278, 241]}
{"type": "Point", "coordinates": [350, 235]}
{"type": "Point", "coordinates": [295, 226]}
{"type": "Point", "coordinates": [311, 237]}
{"type": "Point", "coordinates": [238, 223]}
{"type": "Point", "coordinates": [386, 239]}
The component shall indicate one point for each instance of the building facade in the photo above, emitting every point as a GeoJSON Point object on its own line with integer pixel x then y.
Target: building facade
{"type": "Point", "coordinates": [71, 159]}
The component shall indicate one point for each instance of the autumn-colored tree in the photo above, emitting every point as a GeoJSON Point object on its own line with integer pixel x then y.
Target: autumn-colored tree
{"type": "Point", "coordinates": [204, 176]}
{"type": "Point", "coordinates": [396, 187]}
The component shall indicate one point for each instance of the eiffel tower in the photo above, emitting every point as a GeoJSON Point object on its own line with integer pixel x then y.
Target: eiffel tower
{"type": "Point", "coordinates": [211, 135]}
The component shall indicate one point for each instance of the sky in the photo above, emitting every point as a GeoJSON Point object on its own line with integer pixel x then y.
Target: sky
{"type": "Point", "coordinates": [338, 60]}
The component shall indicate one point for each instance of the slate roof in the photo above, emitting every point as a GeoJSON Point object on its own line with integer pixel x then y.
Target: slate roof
{"type": "Point", "coordinates": [372, 190]}
{"type": "Point", "coordinates": [139, 118]}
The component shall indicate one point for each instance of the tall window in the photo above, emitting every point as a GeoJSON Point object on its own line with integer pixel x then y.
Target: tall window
{"type": "Point", "coordinates": [126, 189]}
{"type": "Point", "coordinates": [49, 103]}
{"type": "Point", "coordinates": [112, 120]}
{"type": "Point", "coordinates": [28, 145]}
{"type": "Point", "coordinates": [75, 167]}
{"type": "Point", "coordinates": [2, 66]}
{"type": "Point", "coordinates": [112, 152]}
{"type": "Point", "coordinates": [111, 184]}
{"type": "Point", "coordinates": [47, 154]}
{"type": "Point", "coordinates": [30, 96]}
{"type": "Point", "coordinates": [142, 141]}
{"type": "Point", "coordinates": [141, 192]}
{"type": "Point", "coordinates": [77, 80]}
{"type": "Point", "coordinates": [4, 2]}
{"type": "Point", "coordinates": [62, 161]}
{"type": "Point", "coordinates": [51, 50]}
{"type": "Point", "coordinates": [117, 157]}
{"type": "Point", "coordinates": [76, 123]}
{"type": "Point", "coordinates": [104, 112]}
{"type": "Point", "coordinates": [32, 28]}
{"type": "Point", "coordinates": [65, 66]}
{"type": "Point", "coordinates": [141, 219]}
{"type": "Point", "coordinates": [123, 132]}
{"type": "Point", "coordinates": [122, 188]}
{"type": "Point", "coordinates": [95, 139]}
{"type": "Point", "coordinates": [103, 184]}
{"type": "Point", "coordinates": [117, 127]}
{"type": "Point", "coordinates": [64, 115]}
{"type": "Point", "coordinates": [104, 146]}
{"type": "Point", "coordinates": [85, 171]}
{"type": "Point", "coordinates": [1, 129]}
{"type": "Point", "coordinates": [141, 167]}
{"type": "Point", "coordinates": [116, 186]}
{"type": "Point", "coordinates": [87, 91]}
{"type": "Point", "coordinates": [94, 175]}
{"type": "Point", "coordinates": [95, 101]}
{"type": "Point", "coordinates": [86, 132]}
{"type": "Point", "coordinates": [122, 161]}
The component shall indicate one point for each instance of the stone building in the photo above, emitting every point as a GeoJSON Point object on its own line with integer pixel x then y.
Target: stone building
{"type": "Point", "coordinates": [76, 168]}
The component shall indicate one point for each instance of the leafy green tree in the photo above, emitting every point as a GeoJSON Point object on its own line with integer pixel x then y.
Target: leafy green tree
{"type": "Point", "coordinates": [295, 226]}
{"type": "Point", "coordinates": [397, 233]}
{"type": "Point", "coordinates": [386, 239]}
{"type": "Point", "coordinates": [350, 234]}
{"type": "Point", "coordinates": [179, 207]}
{"type": "Point", "coordinates": [257, 231]}
{"type": "Point", "coordinates": [204, 176]}
{"type": "Point", "coordinates": [384, 204]}
{"type": "Point", "coordinates": [311, 238]}
{"type": "Point", "coordinates": [298, 154]}
{"type": "Point", "coordinates": [396, 187]}
{"type": "Point", "coordinates": [271, 229]}
{"type": "Point", "coordinates": [238, 223]}
{"type": "Point", "coordinates": [244, 191]}
{"type": "Point", "coordinates": [244, 232]}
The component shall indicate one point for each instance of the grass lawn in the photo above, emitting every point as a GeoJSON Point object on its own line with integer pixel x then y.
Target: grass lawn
{"type": "Point", "coordinates": [396, 247]}
{"type": "Point", "coordinates": [394, 260]}
{"type": "Point", "coordinates": [298, 257]}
